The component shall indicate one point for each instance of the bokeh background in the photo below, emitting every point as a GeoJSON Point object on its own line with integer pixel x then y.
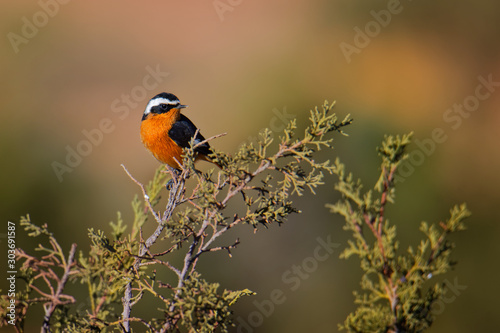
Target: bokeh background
{"type": "Point", "coordinates": [237, 68]}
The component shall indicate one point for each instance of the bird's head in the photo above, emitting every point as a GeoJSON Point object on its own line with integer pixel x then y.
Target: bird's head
{"type": "Point", "coordinates": [162, 103]}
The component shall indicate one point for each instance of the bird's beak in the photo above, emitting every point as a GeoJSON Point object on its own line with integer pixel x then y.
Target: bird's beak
{"type": "Point", "coordinates": [182, 106]}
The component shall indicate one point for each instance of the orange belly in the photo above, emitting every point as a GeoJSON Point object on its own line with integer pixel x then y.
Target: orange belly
{"type": "Point", "coordinates": [154, 136]}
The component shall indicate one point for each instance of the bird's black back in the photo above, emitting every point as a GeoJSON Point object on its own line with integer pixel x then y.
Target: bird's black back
{"type": "Point", "coordinates": [183, 130]}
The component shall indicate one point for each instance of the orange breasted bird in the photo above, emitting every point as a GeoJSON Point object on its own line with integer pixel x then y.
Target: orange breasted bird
{"type": "Point", "coordinates": [165, 131]}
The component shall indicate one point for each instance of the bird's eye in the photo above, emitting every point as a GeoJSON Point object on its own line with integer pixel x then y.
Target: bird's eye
{"type": "Point", "coordinates": [163, 106]}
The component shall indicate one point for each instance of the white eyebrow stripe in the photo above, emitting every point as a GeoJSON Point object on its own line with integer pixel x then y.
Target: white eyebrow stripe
{"type": "Point", "coordinates": [157, 101]}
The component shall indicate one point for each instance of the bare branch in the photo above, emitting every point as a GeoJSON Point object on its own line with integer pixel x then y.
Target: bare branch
{"type": "Point", "coordinates": [144, 194]}
{"type": "Point", "coordinates": [206, 140]}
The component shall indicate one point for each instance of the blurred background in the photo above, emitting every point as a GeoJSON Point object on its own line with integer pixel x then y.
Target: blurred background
{"type": "Point", "coordinates": [84, 70]}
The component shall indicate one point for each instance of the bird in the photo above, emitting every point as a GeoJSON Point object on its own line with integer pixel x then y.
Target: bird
{"type": "Point", "coordinates": [165, 131]}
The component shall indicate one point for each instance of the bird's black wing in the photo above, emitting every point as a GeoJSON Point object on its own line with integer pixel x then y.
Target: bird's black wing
{"type": "Point", "coordinates": [183, 130]}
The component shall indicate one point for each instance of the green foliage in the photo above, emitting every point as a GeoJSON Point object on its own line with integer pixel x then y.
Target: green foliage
{"type": "Point", "coordinates": [254, 187]}
{"type": "Point", "coordinates": [120, 269]}
{"type": "Point", "coordinates": [396, 297]}
{"type": "Point", "coordinates": [201, 308]}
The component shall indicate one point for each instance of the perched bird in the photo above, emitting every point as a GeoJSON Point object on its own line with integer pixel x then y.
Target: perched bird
{"type": "Point", "coordinates": [165, 131]}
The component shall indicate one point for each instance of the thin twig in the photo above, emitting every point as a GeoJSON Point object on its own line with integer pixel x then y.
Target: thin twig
{"type": "Point", "coordinates": [206, 140]}
{"type": "Point", "coordinates": [56, 297]}
{"type": "Point", "coordinates": [144, 194]}
{"type": "Point", "coordinates": [439, 242]}
{"type": "Point", "coordinates": [383, 200]}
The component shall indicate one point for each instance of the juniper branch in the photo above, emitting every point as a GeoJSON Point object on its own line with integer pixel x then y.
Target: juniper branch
{"type": "Point", "coordinates": [175, 194]}
{"type": "Point", "coordinates": [55, 298]}
{"type": "Point", "coordinates": [395, 298]}
{"type": "Point", "coordinates": [122, 265]}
